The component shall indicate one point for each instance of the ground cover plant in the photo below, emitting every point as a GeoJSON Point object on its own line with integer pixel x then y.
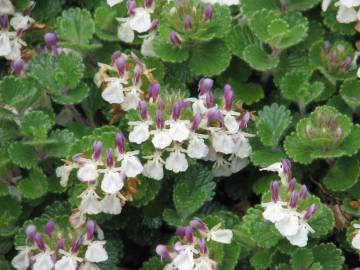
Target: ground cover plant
{"type": "Point", "coordinates": [179, 134]}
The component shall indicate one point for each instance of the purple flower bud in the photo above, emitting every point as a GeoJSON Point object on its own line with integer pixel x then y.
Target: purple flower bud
{"type": "Point", "coordinates": [178, 247]}
{"type": "Point", "coordinates": [120, 63]}
{"type": "Point", "coordinates": [310, 211]}
{"type": "Point", "coordinates": [291, 185]}
{"type": "Point", "coordinates": [334, 56]}
{"type": "Point", "coordinates": [52, 41]}
{"type": "Point", "coordinates": [90, 229]}
{"type": "Point", "coordinates": [30, 232]}
{"type": "Point", "coordinates": [184, 104]}
{"type": "Point", "coordinates": [303, 192]}
{"type": "Point", "coordinates": [189, 236]}
{"type": "Point", "coordinates": [138, 71]}
{"type": "Point", "coordinates": [4, 21]}
{"type": "Point", "coordinates": [228, 97]}
{"type": "Point", "coordinates": [78, 158]}
{"type": "Point", "coordinates": [294, 199]}
{"type": "Point", "coordinates": [347, 63]}
{"type": "Point", "coordinates": [109, 158]}
{"type": "Point", "coordinates": [286, 164]}
{"type": "Point", "coordinates": [209, 100]}
{"type": "Point", "coordinates": [198, 224]}
{"type": "Point", "coordinates": [180, 231]}
{"type": "Point", "coordinates": [327, 46]}
{"type": "Point", "coordinates": [18, 67]}
{"type": "Point", "coordinates": [161, 104]}
{"type": "Point", "coordinates": [143, 109]}
{"type": "Point", "coordinates": [274, 191]}
{"type": "Point", "coordinates": [174, 38]}
{"type": "Point", "coordinates": [205, 85]}
{"type": "Point", "coordinates": [244, 120]}
{"type": "Point", "coordinates": [131, 6]}
{"type": "Point", "coordinates": [202, 246]}
{"type": "Point", "coordinates": [208, 13]}
{"type": "Point", "coordinates": [148, 3]}
{"type": "Point", "coordinates": [215, 115]}
{"type": "Point", "coordinates": [154, 25]}
{"type": "Point", "coordinates": [77, 245]}
{"type": "Point", "coordinates": [97, 147]}
{"type": "Point", "coordinates": [49, 227]}
{"type": "Point", "coordinates": [39, 241]}
{"type": "Point", "coordinates": [154, 90]}
{"type": "Point", "coordinates": [115, 56]}
{"type": "Point", "coordinates": [60, 244]}
{"type": "Point", "coordinates": [120, 142]}
{"type": "Point", "coordinates": [188, 24]}
{"type": "Point", "coordinates": [163, 252]}
{"type": "Point", "coordinates": [176, 110]}
{"type": "Point", "coordinates": [196, 122]}
{"type": "Point", "coordinates": [160, 122]}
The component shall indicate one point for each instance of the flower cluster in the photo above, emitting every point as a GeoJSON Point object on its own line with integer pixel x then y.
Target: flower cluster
{"type": "Point", "coordinates": [12, 29]}
{"type": "Point", "coordinates": [60, 250]}
{"type": "Point", "coordinates": [356, 237]}
{"type": "Point", "coordinates": [122, 81]}
{"type": "Point", "coordinates": [109, 175]}
{"type": "Point", "coordinates": [348, 10]}
{"type": "Point", "coordinates": [222, 2]}
{"type": "Point", "coordinates": [191, 251]}
{"type": "Point", "coordinates": [283, 209]}
{"type": "Point", "coordinates": [196, 127]}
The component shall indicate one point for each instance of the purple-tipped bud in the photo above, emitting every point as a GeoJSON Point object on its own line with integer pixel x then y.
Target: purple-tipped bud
{"type": "Point", "coordinates": [291, 185]}
{"type": "Point", "coordinates": [198, 224]}
{"type": "Point", "coordinates": [115, 56]}
{"type": "Point", "coordinates": [327, 46]}
{"type": "Point", "coordinates": [347, 62]}
{"type": "Point", "coordinates": [90, 229]}
{"type": "Point", "coordinates": [334, 56]}
{"type": "Point", "coordinates": [185, 104]}
{"type": "Point", "coordinates": [143, 109]}
{"type": "Point", "coordinates": [160, 122]}
{"type": "Point", "coordinates": [215, 115]}
{"type": "Point", "coordinates": [228, 97]}
{"type": "Point", "coordinates": [148, 3]}
{"type": "Point", "coordinates": [208, 13]}
{"type": "Point", "coordinates": [196, 122]}
{"type": "Point", "coordinates": [138, 71]}
{"type": "Point", "coordinates": [286, 164]}
{"type": "Point", "coordinates": [131, 6]}
{"type": "Point", "coordinates": [60, 244]}
{"type": "Point", "coordinates": [180, 231]}
{"type": "Point", "coordinates": [163, 252]}
{"type": "Point", "coordinates": [109, 158]}
{"type": "Point", "coordinates": [294, 199]}
{"type": "Point", "coordinates": [97, 147]}
{"type": "Point", "coordinates": [39, 241]}
{"type": "Point", "coordinates": [176, 110]}
{"type": "Point", "coordinates": [120, 64]}
{"type": "Point", "coordinates": [303, 192]}
{"type": "Point", "coordinates": [52, 41]}
{"type": "Point", "coordinates": [274, 191]}
{"type": "Point", "coordinates": [209, 99]}
{"type": "Point", "coordinates": [174, 38]}
{"type": "Point", "coordinates": [189, 236]}
{"type": "Point", "coordinates": [244, 120]}
{"type": "Point", "coordinates": [161, 104]}
{"type": "Point", "coordinates": [205, 85]}
{"type": "Point", "coordinates": [53, 258]}
{"type": "Point", "coordinates": [120, 142]}
{"type": "Point", "coordinates": [18, 67]}
{"type": "Point", "coordinates": [49, 227]}
{"type": "Point", "coordinates": [202, 246]}
{"type": "Point", "coordinates": [4, 21]}
{"type": "Point", "coordinates": [310, 211]}
{"type": "Point", "coordinates": [31, 232]}
{"type": "Point", "coordinates": [154, 91]}
{"type": "Point", "coordinates": [77, 245]}
{"type": "Point", "coordinates": [188, 24]}
{"type": "Point", "coordinates": [154, 25]}
{"type": "Point", "coordinates": [309, 131]}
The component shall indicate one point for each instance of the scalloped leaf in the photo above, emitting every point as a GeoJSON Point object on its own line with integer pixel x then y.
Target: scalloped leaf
{"type": "Point", "coordinates": [35, 186]}
{"type": "Point", "coordinates": [271, 124]}
{"type": "Point", "coordinates": [36, 125]}
{"type": "Point", "coordinates": [146, 191]}
{"type": "Point", "coordinates": [329, 256]}
{"type": "Point", "coordinates": [350, 93]}
{"type": "Point", "coordinates": [9, 213]}
{"type": "Point", "coordinates": [168, 52]}
{"type": "Point", "coordinates": [259, 59]}
{"type": "Point", "coordinates": [61, 143]}
{"type": "Point", "coordinates": [302, 5]}
{"type": "Point", "coordinates": [249, 7]}
{"type": "Point", "coordinates": [332, 23]}
{"type": "Point", "coordinates": [105, 22]}
{"type": "Point", "coordinates": [239, 37]}
{"type": "Point", "coordinates": [23, 155]}
{"type": "Point", "coordinates": [297, 150]}
{"type": "Point", "coordinates": [72, 96]}
{"type": "Point", "coordinates": [210, 58]}
{"type": "Point", "coordinates": [302, 259]}
{"type": "Point", "coordinates": [154, 263]}
{"type": "Point", "coordinates": [262, 259]}
{"type": "Point", "coordinates": [248, 93]}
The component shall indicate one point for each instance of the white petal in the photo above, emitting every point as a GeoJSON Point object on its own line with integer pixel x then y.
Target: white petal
{"type": "Point", "coordinates": [20, 21]}
{"type": "Point", "coordinates": [276, 167]}
{"type": "Point", "coordinates": [111, 204]}
{"type": "Point", "coordinates": [349, 3]}
{"type": "Point", "coordinates": [223, 236]}
{"type": "Point", "coordinates": [125, 33]}
{"type": "Point", "coordinates": [346, 15]}
{"type": "Point", "coordinates": [242, 148]}
{"type": "Point", "coordinates": [203, 263]}
{"type": "Point", "coordinates": [113, 93]}
{"type": "Point", "coordinates": [288, 226]}
{"type": "Point", "coordinates": [178, 131]}
{"type": "Point", "coordinates": [6, 7]}
{"type": "Point", "coordinates": [300, 239]}
{"type": "Point", "coordinates": [15, 52]}
{"type": "Point", "coordinates": [131, 101]}
{"type": "Point", "coordinates": [89, 203]}
{"type": "Point", "coordinates": [197, 148]}
{"type": "Point", "coordinates": [141, 21]}
{"type": "Point", "coordinates": [112, 182]}
{"type": "Point", "coordinates": [325, 4]}
{"type": "Point", "coordinates": [43, 262]}
{"type": "Point", "coordinates": [211, 156]}
{"type": "Point", "coordinates": [274, 212]}
{"type": "Point", "coordinates": [21, 261]}
{"type": "Point", "coordinates": [358, 73]}
{"type": "Point", "coordinates": [237, 164]}
{"type": "Point", "coordinates": [154, 169]}
{"type": "Point", "coordinates": [161, 139]}
{"type": "Point", "coordinates": [63, 172]}
{"type": "Point", "coordinates": [176, 162]}
{"type": "Point", "coordinates": [185, 260]}
{"type": "Point", "coordinates": [147, 46]}
{"type": "Point", "coordinates": [89, 266]}
{"type": "Point", "coordinates": [356, 241]}
{"type": "Point", "coordinates": [96, 252]}
{"type": "Point", "coordinates": [230, 123]}
{"type": "Point", "coordinates": [112, 3]}
{"type": "Point", "coordinates": [140, 133]}
{"type": "Point", "coordinates": [66, 263]}
{"type": "Point", "coordinates": [199, 107]}
{"type": "Point", "coordinates": [222, 142]}
{"type": "Point", "coordinates": [5, 44]}
{"type": "Point", "coordinates": [88, 172]}
{"type": "Point", "coordinates": [131, 166]}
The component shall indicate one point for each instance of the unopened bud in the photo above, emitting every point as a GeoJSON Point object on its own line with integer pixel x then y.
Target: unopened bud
{"type": "Point", "coordinates": [174, 38]}
{"type": "Point", "coordinates": [310, 211]}
{"type": "Point", "coordinates": [208, 13]}
{"type": "Point", "coordinates": [188, 24]}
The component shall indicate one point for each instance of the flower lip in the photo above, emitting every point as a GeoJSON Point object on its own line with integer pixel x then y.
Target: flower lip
{"type": "Point", "coordinates": [202, 246]}
{"type": "Point", "coordinates": [60, 244]}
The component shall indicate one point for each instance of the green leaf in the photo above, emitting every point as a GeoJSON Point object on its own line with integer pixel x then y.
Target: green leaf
{"type": "Point", "coordinates": [114, 249]}
{"type": "Point", "coordinates": [210, 59]}
{"type": "Point", "coordinates": [9, 213]}
{"type": "Point", "coordinates": [70, 70]}
{"type": "Point", "coordinates": [168, 52]}
{"type": "Point", "coordinates": [72, 96]}
{"type": "Point", "coordinates": [35, 186]}
{"type": "Point", "coordinates": [302, 259]}
{"type": "Point", "coordinates": [332, 23]}
{"type": "Point", "coordinates": [239, 37]}
{"type": "Point", "coordinates": [262, 259]}
{"type": "Point", "coordinates": [258, 59]}
{"type": "Point", "coordinates": [323, 222]}
{"type": "Point", "coordinates": [329, 256]}
{"type": "Point", "coordinates": [154, 263]}
{"type": "Point", "coordinates": [147, 189]}
{"type": "Point", "coordinates": [302, 4]}
{"type": "Point", "coordinates": [172, 218]}
{"type": "Point", "coordinates": [192, 189]}
{"type": "Point", "coordinates": [350, 93]}
{"type": "Point", "coordinates": [343, 175]}
{"type": "Point", "coordinates": [231, 256]}
{"type": "Point", "coordinates": [53, 9]}
{"type": "Point", "coordinates": [36, 125]}
{"type": "Point", "coordinates": [297, 150]}
{"type": "Point", "coordinates": [61, 143]}
{"type": "Point", "coordinates": [23, 155]}
{"type": "Point", "coordinates": [248, 93]}
{"type": "Point", "coordinates": [266, 156]}
{"type": "Point", "coordinates": [105, 23]}
{"type": "Point", "coordinates": [272, 123]}
{"type": "Point", "coordinates": [249, 7]}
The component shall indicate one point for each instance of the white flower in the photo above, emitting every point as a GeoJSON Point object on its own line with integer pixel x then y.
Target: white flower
{"type": "Point", "coordinates": [15, 52]}
{"type": "Point", "coordinates": [356, 240]}
{"type": "Point", "coordinates": [161, 138]}
{"type": "Point", "coordinates": [178, 130]}
{"type": "Point", "coordinates": [130, 164]}
{"type": "Point", "coordinates": [222, 2]}
{"type": "Point", "coordinates": [289, 224]}
{"type": "Point", "coordinates": [112, 182]}
{"type": "Point", "coordinates": [63, 172]}
{"type": "Point", "coordinates": [198, 106]}
{"type": "Point", "coordinates": [176, 161]}
{"type": "Point", "coordinates": [20, 21]}
{"type": "Point", "coordinates": [140, 132]}
{"type": "Point", "coordinates": [325, 4]}
{"type": "Point", "coordinates": [347, 15]}
{"type": "Point", "coordinates": [96, 252]}
{"type": "Point", "coordinates": [141, 21]}
{"type": "Point", "coordinates": [6, 7]}
{"type": "Point", "coordinates": [230, 122]}
{"type": "Point", "coordinates": [126, 33]}
{"type": "Point", "coordinates": [197, 148]}
{"type": "Point", "coordinates": [5, 43]}
{"type": "Point", "coordinates": [222, 142]}
{"type": "Point", "coordinates": [88, 172]}
{"type": "Point", "coordinates": [204, 263]}
{"type": "Point", "coordinates": [242, 147]}
{"type": "Point", "coordinates": [221, 167]}
{"type": "Point", "coordinates": [349, 3]}
{"type": "Point", "coordinates": [274, 212]}
{"type": "Point", "coordinates": [90, 203]}
{"type": "Point", "coordinates": [154, 167]}
{"type": "Point", "coordinates": [300, 239]}
{"type": "Point", "coordinates": [223, 236]}
{"type": "Point", "coordinates": [185, 259]}
{"type": "Point", "coordinates": [43, 261]}
{"type": "Point", "coordinates": [112, 3]}
{"type": "Point", "coordinates": [147, 46]}
{"type": "Point", "coordinates": [237, 164]}
{"type": "Point", "coordinates": [22, 260]}
{"type": "Point", "coordinates": [111, 204]}
{"type": "Point", "coordinates": [212, 155]}
{"type": "Point", "coordinates": [67, 262]}
{"type": "Point", "coordinates": [277, 167]}
{"type": "Point", "coordinates": [89, 266]}
{"type": "Point", "coordinates": [132, 99]}
{"type": "Point", "coordinates": [113, 93]}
